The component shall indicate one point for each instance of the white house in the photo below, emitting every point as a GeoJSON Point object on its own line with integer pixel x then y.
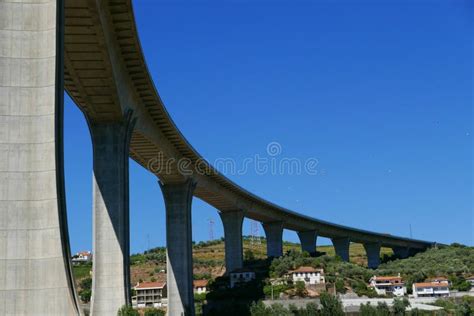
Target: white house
{"type": "Point", "coordinates": [82, 257]}
{"type": "Point", "coordinates": [240, 276]}
{"type": "Point", "coordinates": [308, 275]}
{"type": "Point", "coordinates": [149, 294]}
{"type": "Point", "coordinates": [431, 289]}
{"type": "Point", "coordinates": [392, 285]}
{"type": "Point", "coordinates": [200, 286]}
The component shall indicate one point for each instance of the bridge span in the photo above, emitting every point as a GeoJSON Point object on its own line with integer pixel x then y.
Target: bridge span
{"type": "Point", "coordinates": [92, 50]}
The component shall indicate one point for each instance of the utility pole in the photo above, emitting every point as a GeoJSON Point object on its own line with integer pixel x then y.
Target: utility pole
{"type": "Point", "coordinates": [211, 229]}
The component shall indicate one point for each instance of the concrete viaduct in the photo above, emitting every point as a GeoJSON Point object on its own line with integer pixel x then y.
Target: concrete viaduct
{"type": "Point", "coordinates": [91, 49]}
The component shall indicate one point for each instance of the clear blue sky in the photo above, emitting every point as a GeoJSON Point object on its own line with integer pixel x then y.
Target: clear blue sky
{"type": "Point", "coordinates": [380, 93]}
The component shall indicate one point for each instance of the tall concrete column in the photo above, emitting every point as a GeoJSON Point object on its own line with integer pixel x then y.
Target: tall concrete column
{"type": "Point", "coordinates": [35, 269]}
{"type": "Point", "coordinates": [308, 240]}
{"type": "Point", "coordinates": [232, 222]}
{"type": "Point", "coordinates": [274, 235]}
{"type": "Point", "coordinates": [111, 266]}
{"type": "Point", "coordinates": [341, 246]}
{"type": "Point", "coordinates": [401, 252]}
{"type": "Point", "coordinates": [373, 254]}
{"type": "Point", "coordinates": [178, 199]}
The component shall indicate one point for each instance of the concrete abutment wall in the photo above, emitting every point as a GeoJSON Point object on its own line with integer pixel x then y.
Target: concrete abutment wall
{"type": "Point", "coordinates": [35, 270]}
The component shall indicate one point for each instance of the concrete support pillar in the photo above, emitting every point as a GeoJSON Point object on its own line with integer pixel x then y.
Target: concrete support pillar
{"type": "Point", "coordinates": [341, 246]}
{"type": "Point", "coordinates": [308, 241]}
{"type": "Point", "coordinates": [178, 198]}
{"type": "Point", "coordinates": [35, 268]}
{"type": "Point", "coordinates": [111, 274]}
{"type": "Point", "coordinates": [373, 254]}
{"type": "Point", "coordinates": [232, 222]}
{"type": "Point", "coordinates": [274, 235]}
{"type": "Point", "coordinates": [401, 252]}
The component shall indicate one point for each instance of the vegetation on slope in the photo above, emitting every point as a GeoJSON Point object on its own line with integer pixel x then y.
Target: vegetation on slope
{"type": "Point", "coordinates": [455, 262]}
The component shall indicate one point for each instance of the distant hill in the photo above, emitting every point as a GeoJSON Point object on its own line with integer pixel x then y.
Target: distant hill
{"type": "Point", "coordinates": [455, 262]}
{"type": "Point", "coordinates": [209, 259]}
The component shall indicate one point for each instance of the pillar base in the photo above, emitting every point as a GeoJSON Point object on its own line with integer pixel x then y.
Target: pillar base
{"type": "Point", "coordinates": [308, 241]}
{"type": "Point", "coordinates": [232, 221]}
{"type": "Point", "coordinates": [341, 246]}
{"type": "Point", "coordinates": [373, 254]}
{"type": "Point", "coordinates": [274, 235]}
{"type": "Point", "coordinates": [178, 199]}
{"type": "Point", "coordinates": [111, 231]}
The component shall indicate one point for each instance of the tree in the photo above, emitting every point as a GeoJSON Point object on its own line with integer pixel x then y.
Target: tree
{"type": "Point", "coordinates": [85, 295]}
{"type": "Point", "coordinates": [418, 312]}
{"type": "Point", "coordinates": [331, 306]}
{"type": "Point", "coordinates": [367, 310]}
{"type": "Point", "coordinates": [154, 312]}
{"type": "Point", "coordinates": [400, 306]}
{"type": "Point", "coordinates": [259, 309]}
{"type": "Point", "coordinates": [280, 310]}
{"type": "Point", "coordinates": [464, 309]}
{"type": "Point", "coordinates": [200, 297]}
{"type": "Point", "coordinates": [382, 309]}
{"type": "Point", "coordinates": [312, 309]}
{"type": "Point", "coordinates": [300, 288]}
{"type": "Point", "coordinates": [340, 286]}
{"type": "Point", "coordinates": [127, 311]}
{"type": "Point", "coordinates": [248, 255]}
{"type": "Point", "coordinates": [85, 291]}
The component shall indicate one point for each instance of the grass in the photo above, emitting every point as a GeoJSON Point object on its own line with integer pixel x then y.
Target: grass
{"type": "Point", "coordinates": [82, 271]}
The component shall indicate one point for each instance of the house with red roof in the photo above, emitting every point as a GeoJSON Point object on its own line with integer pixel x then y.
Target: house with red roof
{"type": "Point", "coordinates": [149, 294]}
{"type": "Point", "coordinates": [388, 285]}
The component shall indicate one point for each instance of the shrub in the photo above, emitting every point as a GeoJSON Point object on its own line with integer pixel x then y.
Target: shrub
{"type": "Point", "coordinates": [300, 288]}
{"type": "Point", "coordinates": [127, 311]}
{"type": "Point", "coordinates": [340, 287]}
{"type": "Point", "coordinates": [400, 306]}
{"type": "Point", "coordinates": [200, 297]}
{"type": "Point", "coordinates": [367, 310]}
{"type": "Point", "coordinates": [331, 305]}
{"type": "Point", "coordinates": [383, 309]}
{"type": "Point", "coordinates": [277, 290]}
{"type": "Point", "coordinates": [258, 309]}
{"type": "Point", "coordinates": [85, 295]}
{"type": "Point", "coordinates": [154, 312]}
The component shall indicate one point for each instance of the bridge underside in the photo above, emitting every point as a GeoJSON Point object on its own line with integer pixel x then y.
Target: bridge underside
{"type": "Point", "coordinates": [106, 75]}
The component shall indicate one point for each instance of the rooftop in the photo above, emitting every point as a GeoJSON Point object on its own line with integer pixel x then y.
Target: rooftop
{"type": "Point", "coordinates": [306, 270]}
{"type": "Point", "coordinates": [386, 278]}
{"type": "Point", "coordinates": [429, 284]}
{"type": "Point", "coordinates": [150, 285]}
{"type": "Point", "coordinates": [200, 283]}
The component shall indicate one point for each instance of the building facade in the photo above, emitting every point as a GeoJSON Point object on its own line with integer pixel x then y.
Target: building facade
{"type": "Point", "coordinates": [149, 294]}
{"type": "Point", "coordinates": [431, 289]}
{"type": "Point", "coordinates": [240, 276]}
{"type": "Point", "coordinates": [388, 285]}
{"type": "Point", "coordinates": [82, 257]}
{"type": "Point", "coordinates": [200, 286]}
{"type": "Point", "coordinates": [308, 275]}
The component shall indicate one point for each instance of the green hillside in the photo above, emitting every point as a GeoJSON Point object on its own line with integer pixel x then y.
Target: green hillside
{"type": "Point", "coordinates": [455, 262]}
{"type": "Point", "coordinates": [209, 259]}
